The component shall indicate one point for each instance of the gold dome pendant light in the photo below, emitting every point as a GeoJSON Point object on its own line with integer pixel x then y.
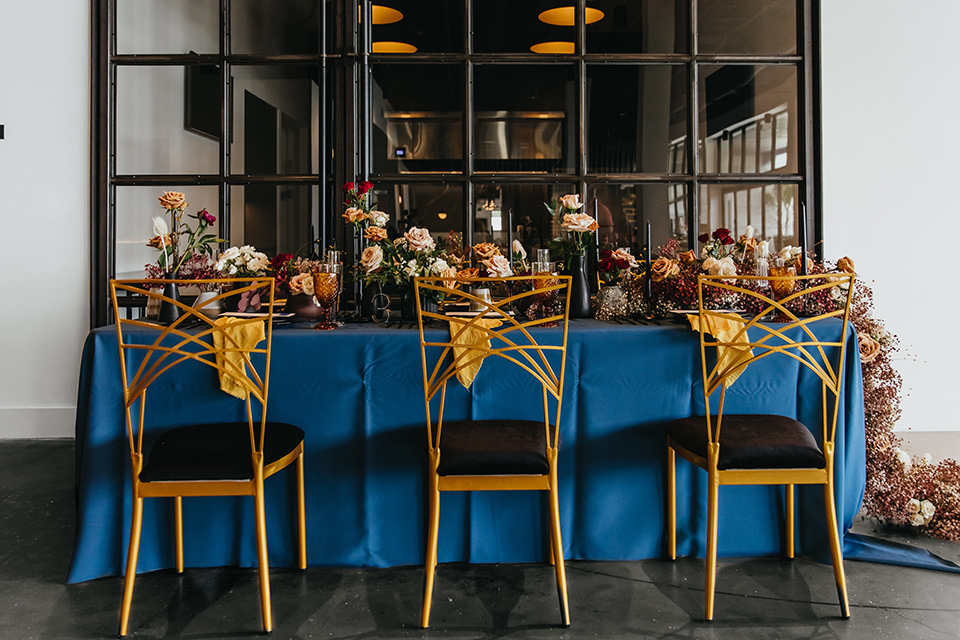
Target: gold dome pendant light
{"type": "Point", "coordinates": [564, 16]}
{"type": "Point", "coordinates": [387, 15]}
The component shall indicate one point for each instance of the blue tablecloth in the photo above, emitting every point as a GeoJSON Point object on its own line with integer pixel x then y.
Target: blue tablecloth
{"type": "Point", "coordinates": [357, 393]}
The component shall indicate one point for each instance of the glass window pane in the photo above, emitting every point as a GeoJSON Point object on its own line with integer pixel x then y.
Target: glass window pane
{"type": "Point", "coordinates": [748, 26]}
{"type": "Point", "coordinates": [168, 26]}
{"type": "Point", "coordinates": [622, 210]}
{"type": "Point", "coordinates": [748, 118]}
{"type": "Point", "coordinates": [768, 208]}
{"type": "Point", "coordinates": [525, 118]}
{"type": "Point", "coordinates": [275, 121]}
{"type": "Point", "coordinates": [275, 27]}
{"type": "Point", "coordinates": [637, 120]}
{"type": "Point", "coordinates": [498, 205]}
{"type": "Point", "coordinates": [418, 26]}
{"type": "Point", "coordinates": [135, 210]}
{"type": "Point", "coordinates": [653, 26]}
{"type": "Point", "coordinates": [507, 26]}
{"type": "Point", "coordinates": [417, 114]}
{"type": "Point", "coordinates": [275, 218]}
{"type": "Point", "coordinates": [158, 130]}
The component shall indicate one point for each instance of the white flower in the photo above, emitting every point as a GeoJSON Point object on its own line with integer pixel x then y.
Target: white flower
{"type": "Point", "coordinates": [571, 201]}
{"type": "Point", "coordinates": [498, 267]}
{"type": "Point", "coordinates": [763, 249]}
{"type": "Point", "coordinates": [913, 506]}
{"type": "Point", "coordinates": [927, 458]}
{"type": "Point", "coordinates": [790, 252]}
{"type": "Point", "coordinates": [723, 267]}
{"type": "Point", "coordinates": [411, 268]}
{"type": "Point", "coordinates": [709, 264]}
{"type": "Point", "coordinates": [439, 266]}
{"type": "Point", "coordinates": [904, 459]}
{"type": "Point", "coordinates": [749, 232]}
{"type": "Point", "coordinates": [379, 218]}
{"type": "Point", "coordinates": [927, 510]}
{"type": "Point", "coordinates": [917, 520]}
{"type": "Point", "coordinates": [518, 250]}
{"type": "Point", "coordinates": [160, 226]}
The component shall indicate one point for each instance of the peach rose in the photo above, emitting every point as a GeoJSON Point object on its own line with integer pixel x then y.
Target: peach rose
{"type": "Point", "coordinates": [688, 256]}
{"type": "Point", "coordinates": [375, 234]}
{"type": "Point", "coordinates": [449, 272]}
{"type": "Point", "coordinates": [468, 273]}
{"type": "Point", "coordinates": [845, 264]}
{"type": "Point", "coordinates": [579, 222]}
{"type": "Point", "coordinates": [571, 201]}
{"type": "Point", "coordinates": [663, 269]}
{"type": "Point", "coordinates": [869, 348]}
{"type": "Point", "coordinates": [419, 239]}
{"type": "Point", "coordinates": [354, 215]}
{"type": "Point", "coordinates": [171, 200]}
{"type": "Point", "coordinates": [498, 267]}
{"type": "Point", "coordinates": [485, 250]}
{"type": "Point", "coordinates": [623, 254]}
{"type": "Point", "coordinates": [371, 258]}
{"type": "Point", "coordinates": [302, 283]}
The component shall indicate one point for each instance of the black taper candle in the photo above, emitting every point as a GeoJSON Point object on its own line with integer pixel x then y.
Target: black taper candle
{"type": "Point", "coordinates": [802, 232]}
{"type": "Point", "coordinates": [647, 251]}
{"type": "Point", "coordinates": [510, 236]}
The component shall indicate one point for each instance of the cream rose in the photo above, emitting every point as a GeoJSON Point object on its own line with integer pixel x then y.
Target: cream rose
{"type": "Point", "coordinates": [927, 510]}
{"type": "Point", "coordinates": [518, 250]}
{"type": "Point", "coordinates": [623, 254]}
{"type": "Point", "coordinates": [571, 201]}
{"type": "Point", "coordinates": [449, 272]}
{"type": "Point", "coordinates": [498, 267]}
{"type": "Point", "coordinates": [485, 250]}
{"type": "Point", "coordinates": [722, 267]}
{"type": "Point", "coordinates": [379, 218]}
{"type": "Point", "coordinates": [171, 200]}
{"type": "Point", "coordinates": [371, 258]}
{"type": "Point", "coordinates": [663, 269]}
{"type": "Point", "coordinates": [302, 283]}
{"type": "Point", "coordinates": [579, 222]}
{"type": "Point", "coordinates": [375, 234]}
{"type": "Point", "coordinates": [869, 348]}
{"type": "Point", "coordinates": [419, 239]}
{"type": "Point", "coordinates": [354, 215]}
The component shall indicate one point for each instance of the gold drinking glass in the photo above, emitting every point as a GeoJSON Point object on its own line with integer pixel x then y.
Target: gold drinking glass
{"type": "Point", "coordinates": [782, 287]}
{"type": "Point", "coordinates": [326, 289]}
{"type": "Point", "coordinates": [545, 277]}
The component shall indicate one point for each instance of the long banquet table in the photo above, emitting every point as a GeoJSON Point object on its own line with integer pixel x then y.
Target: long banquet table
{"type": "Point", "coordinates": [357, 393]}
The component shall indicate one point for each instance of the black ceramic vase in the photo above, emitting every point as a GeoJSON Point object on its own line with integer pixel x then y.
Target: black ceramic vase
{"type": "Point", "coordinates": [373, 301]}
{"type": "Point", "coordinates": [579, 288]}
{"type": "Point", "coordinates": [168, 310]}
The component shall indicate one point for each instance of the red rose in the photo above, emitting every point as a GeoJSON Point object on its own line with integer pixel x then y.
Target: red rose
{"type": "Point", "coordinates": [349, 187]}
{"type": "Point", "coordinates": [721, 233]}
{"type": "Point", "coordinates": [364, 187]}
{"type": "Point", "coordinates": [703, 237]}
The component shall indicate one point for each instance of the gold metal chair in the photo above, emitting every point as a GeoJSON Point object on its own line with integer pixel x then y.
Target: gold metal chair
{"type": "Point", "coordinates": [222, 459]}
{"type": "Point", "coordinates": [764, 449]}
{"type": "Point", "coordinates": [503, 454]}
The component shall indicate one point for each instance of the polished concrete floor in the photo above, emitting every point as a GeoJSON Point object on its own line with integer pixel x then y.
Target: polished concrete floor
{"type": "Point", "coordinates": [756, 598]}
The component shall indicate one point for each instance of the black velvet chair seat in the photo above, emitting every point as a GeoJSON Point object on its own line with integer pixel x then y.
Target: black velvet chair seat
{"type": "Point", "coordinates": [752, 442]}
{"type": "Point", "coordinates": [215, 451]}
{"type": "Point", "coordinates": [493, 447]}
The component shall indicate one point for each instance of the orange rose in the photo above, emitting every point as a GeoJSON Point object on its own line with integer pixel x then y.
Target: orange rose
{"type": "Point", "coordinates": [375, 234]}
{"type": "Point", "coordinates": [869, 348]}
{"type": "Point", "coordinates": [663, 269]}
{"type": "Point", "coordinates": [688, 256]}
{"type": "Point", "coordinates": [468, 273]}
{"type": "Point", "coordinates": [485, 250]}
{"type": "Point", "coordinates": [845, 264]}
{"type": "Point", "coordinates": [354, 215]}
{"type": "Point", "coordinates": [171, 200]}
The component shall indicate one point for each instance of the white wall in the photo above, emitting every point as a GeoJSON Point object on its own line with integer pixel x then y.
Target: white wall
{"type": "Point", "coordinates": [891, 167]}
{"type": "Point", "coordinates": [44, 209]}
{"type": "Point", "coordinates": [890, 164]}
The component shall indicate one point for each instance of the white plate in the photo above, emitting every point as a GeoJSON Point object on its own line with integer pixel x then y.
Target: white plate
{"type": "Point", "coordinates": [472, 314]}
{"type": "Point", "coordinates": [245, 314]}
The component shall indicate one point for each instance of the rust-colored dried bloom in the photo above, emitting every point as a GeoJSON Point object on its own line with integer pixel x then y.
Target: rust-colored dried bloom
{"type": "Point", "coordinates": [171, 200]}
{"type": "Point", "coordinates": [485, 250]}
{"type": "Point", "coordinates": [375, 234]}
{"type": "Point", "coordinates": [845, 264]}
{"type": "Point", "coordinates": [159, 242]}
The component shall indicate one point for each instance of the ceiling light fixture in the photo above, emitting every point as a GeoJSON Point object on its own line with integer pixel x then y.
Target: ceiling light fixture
{"type": "Point", "coordinates": [553, 47]}
{"type": "Point", "coordinates": [385, 15]}
{"type": "Point", "coordinates": [442, 215]}
{"type": "Point", "coordinates": [392, 47]}
{"type": "Point", "coordinates": [563, 16]}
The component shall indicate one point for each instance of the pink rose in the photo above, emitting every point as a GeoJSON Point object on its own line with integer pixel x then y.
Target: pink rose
{"type": "Point", "coordinates": [579, 222]}
{"type": "Point", "coordinates": [623, 254]}
{"type": "Point", "coordinates": [498, 267]}
{"type": "Point", "coordinates": [371, 258]}
{"type": "Point", "coordinates": [571, 201]}
{"type": "Point", "coordinates": [419, 239]}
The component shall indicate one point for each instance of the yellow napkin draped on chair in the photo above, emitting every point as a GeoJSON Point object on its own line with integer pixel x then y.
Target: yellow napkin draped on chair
{"type": "Point", "coordinates": [725, 330]}
{"type": "Point", "coordinates": [245, 335]}
{"type": "Point", "coordinates": [473, 335]}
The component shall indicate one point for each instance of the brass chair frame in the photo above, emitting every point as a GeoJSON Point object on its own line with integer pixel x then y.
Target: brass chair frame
{"type": "Point", "coordinates": [531, 357]}
{"type": "Point", "coordinates": [190, 338]}
{"type": "Point", "coordinates": [810, 351]}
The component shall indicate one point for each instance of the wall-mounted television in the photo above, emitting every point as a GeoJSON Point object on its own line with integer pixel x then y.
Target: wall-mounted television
{"type": "Point", "coordinates": [201, 112]}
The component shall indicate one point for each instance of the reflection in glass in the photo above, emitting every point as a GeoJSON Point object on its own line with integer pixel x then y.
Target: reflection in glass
{"type": "Point", "coordinates": [653, 26]}
{"type": "Point", "coordinates": [748, 118]}
{"type": "Point", "coordinates": [432, 26]}
{"type": "Point", "coordinates": [622, 210]}
{"type": "Point", "coordinates": [506, 26]}
{"type": "Point", "coordinates": [417, 114]}
{"type": "Point", "coordinates": [274, 218]}
{"type": "Point", "coordinates": [168, 26]}
{"type": "Point", "coordinates": [135, 209]}
{"type": "Point", "coordinates": [152, 133]}
{"type": "Point", "coordinates": [533, 227]}
{"type": "Point", "coordinates": [437, 207]}
{"type": "Point", "coordinates": [525, 118]}
{"type": "Point", "coordinates": [275, 27]}
{"type": "Point", "coordinates": [769, 209]}
{"type": "Point", "coordinates": [637, 119]}
{"type": "Point", "coordinates": [748, 26]}
{"type": "Point", "coordinates": [275, 122]}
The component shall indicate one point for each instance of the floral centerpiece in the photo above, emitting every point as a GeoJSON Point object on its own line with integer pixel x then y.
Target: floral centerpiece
{"type": "Point", "coordinates": [490, 262]}
{"type": "Point", "coordinates": [578, 229]}
{"type": "Point", "coordinates": [243, 262]}
{"type": "Point", "coordinates": [166, 238]}
{"type": "Point", "coordinates": [613, 263]}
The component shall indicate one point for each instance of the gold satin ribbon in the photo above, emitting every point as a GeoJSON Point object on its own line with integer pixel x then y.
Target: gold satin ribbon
{"type": "Point", "coordinates": [474, 338]}
{"type": "Point", "coordinates": [725, 330]}
{"type": "Point", "coordinates": [242, 336]}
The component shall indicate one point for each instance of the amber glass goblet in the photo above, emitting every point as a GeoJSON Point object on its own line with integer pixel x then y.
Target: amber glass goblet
{"type": "Point", "coordinates": [326, 290]}
{"type": "Point", "coordinates": [782, 284]}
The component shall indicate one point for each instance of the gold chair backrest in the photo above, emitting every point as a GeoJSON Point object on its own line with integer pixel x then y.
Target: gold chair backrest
{"type": "Point", "coordinates": [149, 349]}
{"type": "Point", "coordinates": [514, 340]}
{"type": "Point", "coordinates": [818, 339]}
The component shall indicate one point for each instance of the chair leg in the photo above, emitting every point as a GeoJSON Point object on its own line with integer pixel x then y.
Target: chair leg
{"type": "Point", "coordinates": [558, 566]}
{"type": "Point", "coordinates": [133, 550]}
{"type": "Point", "coordinates": [836, 551]}
{"type": "Point", "coordinates": [671, 502]}
{"type": "Point", "coordinates": [262, 562]}
{"type": "Point", "coordinates": [301, 517]}
{"type": "Point", "coordinates": [713, 486]}
{"type": "Point", "coordinates": [430, 565]}
{"type": "Point", "coordinates": [788, 489]}
{"type": "Point", "coordinates": [178, 525]}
